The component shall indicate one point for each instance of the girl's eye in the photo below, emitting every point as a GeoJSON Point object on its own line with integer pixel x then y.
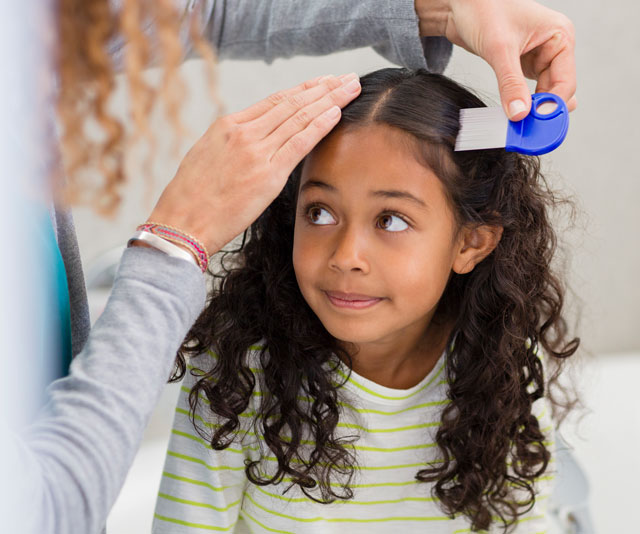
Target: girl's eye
{"type": "Point", "coordinates": [319, 216]}
{"type": "Point", "coordinates": [392, 223]}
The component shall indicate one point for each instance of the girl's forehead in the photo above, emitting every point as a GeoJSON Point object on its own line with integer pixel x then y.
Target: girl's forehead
{"type": "Point", "coordinates": [375, 140]}
{"type": "Point", "coordinates": [369, 157]}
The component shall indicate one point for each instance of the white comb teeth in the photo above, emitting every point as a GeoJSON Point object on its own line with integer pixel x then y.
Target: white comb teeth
{"type": "Point", "coordinates": [482, 128]}
{"type": "Point", "coordinates": [541, 131]}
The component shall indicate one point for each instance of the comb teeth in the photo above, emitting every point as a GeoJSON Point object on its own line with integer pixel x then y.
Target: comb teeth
{"type": "Point", "coordinates": [482, 128]}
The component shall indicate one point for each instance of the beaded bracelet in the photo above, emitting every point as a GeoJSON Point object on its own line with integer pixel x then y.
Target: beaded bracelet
{"type": "Point", "coordinates": [179, 237]}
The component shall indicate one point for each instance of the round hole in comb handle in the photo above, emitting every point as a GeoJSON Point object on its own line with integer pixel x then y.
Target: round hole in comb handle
{"type": "Point", "coordinates": [546, 107]}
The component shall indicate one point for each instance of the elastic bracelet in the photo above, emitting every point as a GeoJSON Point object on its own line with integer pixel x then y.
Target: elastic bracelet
{"type": "Point", "coordinates": [174, 235]}
{"type": "Point", "coordinates": [164, 246]}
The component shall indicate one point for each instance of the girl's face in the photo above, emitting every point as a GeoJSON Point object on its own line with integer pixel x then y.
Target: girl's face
{"type": "Point", "coordinates": [375, 237]}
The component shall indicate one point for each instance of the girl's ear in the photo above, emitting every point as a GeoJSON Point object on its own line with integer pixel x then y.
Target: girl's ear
{"type": "Point", "coordinates": [475, 243]}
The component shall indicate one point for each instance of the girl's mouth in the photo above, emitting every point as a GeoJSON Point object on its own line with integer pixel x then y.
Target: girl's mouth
{"type": "Point", "coordinates": [351, 300]}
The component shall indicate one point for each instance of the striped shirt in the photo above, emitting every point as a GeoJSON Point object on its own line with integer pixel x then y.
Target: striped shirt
{"type": "Point", "coordinates": [203, 490]}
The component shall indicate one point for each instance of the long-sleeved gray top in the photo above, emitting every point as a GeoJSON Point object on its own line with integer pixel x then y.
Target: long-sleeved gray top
{"type": "Point", "coordinates": [74, 458]}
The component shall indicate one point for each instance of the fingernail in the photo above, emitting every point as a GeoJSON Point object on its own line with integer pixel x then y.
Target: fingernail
{"type": "Point", "coordinates": [325, 78]}
{"type": "Point", "coordinates": [353, 86]}
{"type": "Point", "coordinates": [516, 106]}
{"type": "Point", "coordinates": [333, 113]}
{"type": "Point", "coordinates": [345, 78]}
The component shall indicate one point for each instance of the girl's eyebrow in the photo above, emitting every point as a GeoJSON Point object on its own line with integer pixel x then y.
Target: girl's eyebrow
{"type": "Point", "coordinates": [309, 184]}
{"type": "Point", "coordinates": [386, 193]}
{"type": "Point", "coordinates": [395, 193]}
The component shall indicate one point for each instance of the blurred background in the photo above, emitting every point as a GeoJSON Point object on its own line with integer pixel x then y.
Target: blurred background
{"type": "Point", "coordinates": [597, 166]}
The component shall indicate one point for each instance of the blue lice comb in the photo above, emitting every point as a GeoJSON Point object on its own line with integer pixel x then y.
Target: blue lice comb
{"type": "Point", "coordinates": [538, 133]}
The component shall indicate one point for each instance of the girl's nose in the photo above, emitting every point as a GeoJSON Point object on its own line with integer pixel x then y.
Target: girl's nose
{"type": "Point", "coordinates": [349, 251]}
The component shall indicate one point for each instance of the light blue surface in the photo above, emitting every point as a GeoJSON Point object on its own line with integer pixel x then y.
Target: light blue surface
{"type": "Point", "coordinates": [60, 310]}
{"type": "Point", "coordinates": [539, 133]}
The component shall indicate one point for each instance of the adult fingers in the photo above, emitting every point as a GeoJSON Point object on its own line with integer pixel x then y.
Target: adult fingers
{"type": "Point", "coordinates": [300, 120]}
{"type": "Point", "coordinates": [555, 68]}
{"type": "Point", "coordinates": [298, 146]}
{"type": "Point", "coordinates": [297, 105]}
{"type": "Point", "coordinates": [260, 108]}
{"type": "Point", "coordinates": [514, 92]}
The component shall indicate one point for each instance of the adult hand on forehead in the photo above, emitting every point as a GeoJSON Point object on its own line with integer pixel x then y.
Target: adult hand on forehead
{"type": "Point", "coordinates": [242, 162]}
{"type": "Point", "coordinates": [517, 38]}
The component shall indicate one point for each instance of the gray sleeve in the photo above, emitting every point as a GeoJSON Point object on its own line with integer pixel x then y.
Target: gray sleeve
{"type": "Point", "coordinates": [72, 462]}
{"type": "Point", "coordinates": [268, 29]}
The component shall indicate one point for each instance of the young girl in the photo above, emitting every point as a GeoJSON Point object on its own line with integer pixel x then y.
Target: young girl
{"type": "Point", "coordinates": [370, 361]}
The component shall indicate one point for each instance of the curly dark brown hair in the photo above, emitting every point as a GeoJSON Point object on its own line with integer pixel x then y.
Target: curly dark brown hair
{"type": "Point", "coordinates": [503, 311]}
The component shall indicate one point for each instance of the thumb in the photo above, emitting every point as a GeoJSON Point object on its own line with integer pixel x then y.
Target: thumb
{"type": "Point", "coordinates": [514, 93]}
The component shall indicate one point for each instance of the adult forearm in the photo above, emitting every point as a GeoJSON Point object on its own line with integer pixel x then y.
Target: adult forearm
{"type": "Point", "coordinates": [75, 458]}
{"type": "Point", "coordinates": [245, 29]}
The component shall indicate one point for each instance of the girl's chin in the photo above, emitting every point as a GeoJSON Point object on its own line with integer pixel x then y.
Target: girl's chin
{"type": "Point", "coordinates": [355, 336]}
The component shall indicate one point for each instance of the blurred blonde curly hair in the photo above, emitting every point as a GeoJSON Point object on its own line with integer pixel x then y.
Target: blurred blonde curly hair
{"type": "Point", "coordinates": [88, 31]}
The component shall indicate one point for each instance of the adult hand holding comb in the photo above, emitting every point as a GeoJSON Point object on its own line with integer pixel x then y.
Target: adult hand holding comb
{"type": "Point", "coordinates": [517, 38]}
{"type": "Point", "coordinates": [242, 162]}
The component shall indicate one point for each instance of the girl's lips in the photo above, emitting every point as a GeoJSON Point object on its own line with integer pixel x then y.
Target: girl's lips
{"type": "Point", "coordinates": [351, 300]}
